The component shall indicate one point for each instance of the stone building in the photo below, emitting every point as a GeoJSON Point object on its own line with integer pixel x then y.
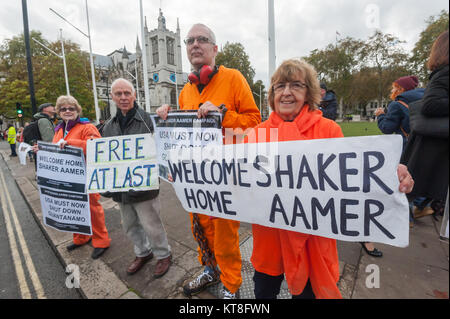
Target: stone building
{"type": "Point", "coordinates": [164, 67]}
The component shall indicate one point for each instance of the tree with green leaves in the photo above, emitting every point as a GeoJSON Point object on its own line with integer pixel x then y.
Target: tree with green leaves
{"type": "Point", "coordinates": [435, 26]}
{"type": "Point", "coordinates": [384, 53]}
{"type": "Point", "coordinates": [233, 55]}
{"type": "Point", "coordinates": [48, 75]}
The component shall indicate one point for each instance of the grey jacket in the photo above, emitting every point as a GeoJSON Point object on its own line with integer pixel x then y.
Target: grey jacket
{"type": "Point", "coordinates": [46, 127]}
{"type": "Point", "coordinates": [140, 124]}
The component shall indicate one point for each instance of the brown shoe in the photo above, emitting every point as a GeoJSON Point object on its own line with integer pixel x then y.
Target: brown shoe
{"type": "Point", "coordinates": [424, 212]}
{"type": "Point", "coordinates": [138, 263]}
{"type": "Point", "coordinates": [162, 266]}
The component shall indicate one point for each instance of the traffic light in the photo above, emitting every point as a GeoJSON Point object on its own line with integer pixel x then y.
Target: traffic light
{"type": "Point", "coordinates": [19, 109]}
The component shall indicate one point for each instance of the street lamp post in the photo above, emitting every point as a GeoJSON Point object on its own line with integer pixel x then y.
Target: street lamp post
{"type": "Point", "coordinates": [137, 84]}
{"type": "Point", "coordinates": [144, 60]}
{"type": "Point", "coordinates": [94, 88]}
{"type": "Point", "coordinates": [63, 57]}
{"type": "Point", "coordinates": [271, 32]}
{"type": "Point", "coordinates": [64, 62]}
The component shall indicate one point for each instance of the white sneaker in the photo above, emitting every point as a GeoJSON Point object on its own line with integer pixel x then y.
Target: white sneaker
{"type": "Point", "coordinates": [226, 294]}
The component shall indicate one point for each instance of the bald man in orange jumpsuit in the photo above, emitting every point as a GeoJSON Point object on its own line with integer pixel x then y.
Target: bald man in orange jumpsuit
{"type": "Point", "coordinates": [210, 87]}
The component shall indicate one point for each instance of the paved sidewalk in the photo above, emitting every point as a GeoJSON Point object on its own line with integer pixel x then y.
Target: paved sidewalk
{"type": "Point", "coordinates": [418, 271]}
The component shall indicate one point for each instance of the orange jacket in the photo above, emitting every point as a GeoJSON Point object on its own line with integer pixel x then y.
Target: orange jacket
{"type": "Point", "coordinates": [299, 256]}
{"type": "Point", "coordinates": [229, 87]}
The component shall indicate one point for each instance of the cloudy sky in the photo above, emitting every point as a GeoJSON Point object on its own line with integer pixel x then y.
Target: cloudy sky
{"type": "Point", "coordinates": [300, 25]}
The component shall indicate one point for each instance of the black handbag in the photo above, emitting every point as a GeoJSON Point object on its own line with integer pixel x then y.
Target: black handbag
{"type": "Point", "coordinates": [425, 125]}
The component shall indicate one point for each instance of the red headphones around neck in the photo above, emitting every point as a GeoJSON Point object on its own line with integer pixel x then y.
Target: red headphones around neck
{"type": "Point", "coordinates": [203, 76]}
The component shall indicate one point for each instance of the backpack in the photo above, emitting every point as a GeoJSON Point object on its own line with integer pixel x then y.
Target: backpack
{"type": "Point", "coordinates": [31, 133]}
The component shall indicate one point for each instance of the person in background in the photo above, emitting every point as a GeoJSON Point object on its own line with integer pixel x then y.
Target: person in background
{"type": "Point", "coordinates": [403, 92]}
{"type": "Point", "coordinates": [12, 139]}
{"type": "Point", "coordinates": [427, 156]}
{"type": "Point", "coordinates": [328, 104]}
{"type": "Point", "coordinates": [310, 263]}
{"type": "Point", "coordinates": [19, 136]}
{"type": "Point", "coordinates": [30, 153]}
{"type": "Point", "coordinates": [396, 120]}
{"type": "Point", "coordinates": [44, 117]}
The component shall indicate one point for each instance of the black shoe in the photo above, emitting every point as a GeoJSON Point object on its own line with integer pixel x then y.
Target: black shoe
{"type": "Point", "coordinates": [374, 253]}
{"type": "Point", "coordinates": [98, 252]}
{"type": "Point", "coordinates": [73, 246]}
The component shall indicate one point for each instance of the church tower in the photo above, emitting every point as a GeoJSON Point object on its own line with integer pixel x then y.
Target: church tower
{"type": "Point", "coordinates": [163, 49]}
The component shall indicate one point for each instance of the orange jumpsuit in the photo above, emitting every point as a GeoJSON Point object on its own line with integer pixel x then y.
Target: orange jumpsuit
{"type": "Point", "coordinates": [229, 87]}
{"type": "Point", "coordinates": [299, 256]}
{"type": "Point", "coordinates": [77, 136]}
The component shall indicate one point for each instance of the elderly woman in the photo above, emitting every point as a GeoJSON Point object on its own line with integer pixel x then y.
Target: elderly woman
{"type": "Point", "coordinates": [75, 131]}
{"type": "Point", "coordinates": [309, 262]}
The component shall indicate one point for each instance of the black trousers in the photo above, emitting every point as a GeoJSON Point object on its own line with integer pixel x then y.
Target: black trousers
{"type": "Point", "coordinates": [268, 287]}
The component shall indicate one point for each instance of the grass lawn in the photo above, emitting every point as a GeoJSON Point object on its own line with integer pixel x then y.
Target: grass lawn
{"type": "Point", "coordinates": [359, 128]}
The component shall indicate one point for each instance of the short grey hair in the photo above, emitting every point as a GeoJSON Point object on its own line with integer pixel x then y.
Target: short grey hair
{"type": "Point", "coordinates": [212, 36]}
{"type": "Point", "coordinates": [123, 80]}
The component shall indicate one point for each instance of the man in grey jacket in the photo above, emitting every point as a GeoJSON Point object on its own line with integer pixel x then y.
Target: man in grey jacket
{"type": "Point", "coordinates": [45, 117]}
{"type": "Point", "coordinates": [45, 124]}
{"type": "Point", "coordinates": [140, 210]}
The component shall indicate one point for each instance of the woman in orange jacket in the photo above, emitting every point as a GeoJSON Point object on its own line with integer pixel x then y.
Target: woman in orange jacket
{"type": "Point", "coordinates": [74, 131]}
{"type": "Point", "coordinates": [310, 263]}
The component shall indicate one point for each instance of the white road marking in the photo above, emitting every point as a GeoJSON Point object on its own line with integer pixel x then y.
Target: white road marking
{"type": "Point", "coordinates": [23, 245]}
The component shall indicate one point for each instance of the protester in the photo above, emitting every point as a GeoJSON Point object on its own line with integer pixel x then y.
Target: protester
{"type": "Point", "coordinates": [329, 104]}
{"type": "Point", "coordinates": [19, 136]}
{"type": "Point", "coordinates": [309, 262]}
{"type": "Point", "coordinates": [404, 91]}
{"type": "Point", "coordinates": [12, 139]}
{"type": "Point", "coordinates": [75, 131]}
{"type": "Point", "coordinates": [396, 120]}
{"type": "Point", "coordinates": [45, 118]}
{"type": "Point", "coordinates": [140, 210]}
{"type": "Point", "coordinates": [427, 155]}
{"type": "Point", "coordinates": [212, 86]}
{"type": "Point", "coordinates": [42, 127]}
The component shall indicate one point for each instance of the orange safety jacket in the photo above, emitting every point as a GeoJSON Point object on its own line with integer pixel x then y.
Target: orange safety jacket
{"type": "Point", "coordinates": [229, 87]}
{"type": "Point", "coordinates": [299, 256]}
{"type": "Point", "coordinates": [77, 136]}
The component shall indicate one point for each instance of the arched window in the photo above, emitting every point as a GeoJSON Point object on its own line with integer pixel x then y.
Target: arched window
{"type": "Point", "coordinates": [170, 51]}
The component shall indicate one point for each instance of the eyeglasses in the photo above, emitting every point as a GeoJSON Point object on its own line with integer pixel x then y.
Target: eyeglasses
{"type": "Point", "coordinates": [296, 86]}
{"type": "Point", "coordinates": [67, 109]}
{"type": "Point", "coordinates": [120, 93]}
{"type": "Point", "coordinates": [200, 40]}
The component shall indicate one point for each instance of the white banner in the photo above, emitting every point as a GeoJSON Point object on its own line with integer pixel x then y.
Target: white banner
{"type": "Point", "coordinates": [341, 188]}
{"type": "Point", "coordinates": [184, 129]}
{"type": "Point", "coordinates": [61, 176]}
{"type": "Point", "coordinates": [24, 148]}
{"type": "Point", "coordinates": [122, 163]}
